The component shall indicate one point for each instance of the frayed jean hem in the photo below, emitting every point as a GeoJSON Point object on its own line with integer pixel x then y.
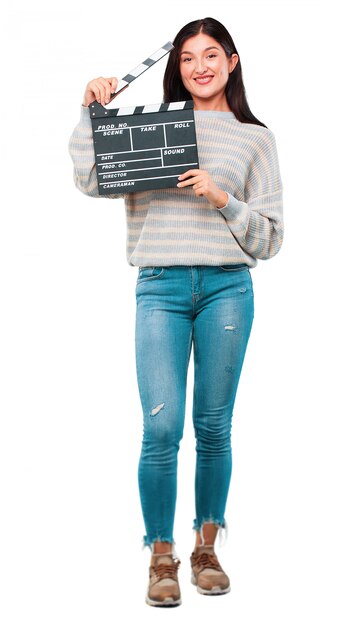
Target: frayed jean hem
{"type": "Point", "coordinates": [220, 523]}
{"type": "Point", "coordinates": [149, 543]}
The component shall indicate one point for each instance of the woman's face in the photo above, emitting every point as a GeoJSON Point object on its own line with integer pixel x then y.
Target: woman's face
{"type": "Point", "coordinates": [205, 69]}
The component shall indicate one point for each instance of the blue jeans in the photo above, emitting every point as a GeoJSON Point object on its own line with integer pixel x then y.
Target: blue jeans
{"type": "Point", "coordinates": [213, 307]}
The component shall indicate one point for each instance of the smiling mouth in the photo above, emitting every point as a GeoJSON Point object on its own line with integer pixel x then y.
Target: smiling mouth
{"type": "Point", "coordinates": [204, 80]}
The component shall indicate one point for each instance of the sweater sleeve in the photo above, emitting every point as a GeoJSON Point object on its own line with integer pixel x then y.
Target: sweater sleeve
{"type": "Point", "coordinates": [81, 150]}
{"type": "Point", "coordinates": [257, 223]}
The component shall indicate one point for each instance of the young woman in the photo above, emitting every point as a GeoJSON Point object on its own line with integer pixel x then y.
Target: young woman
{"type": "Point", "coordinates": [194, 245]}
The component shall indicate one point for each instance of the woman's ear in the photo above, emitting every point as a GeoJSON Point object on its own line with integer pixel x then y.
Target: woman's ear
{"type": "Point", "coordinates": [233, 61]}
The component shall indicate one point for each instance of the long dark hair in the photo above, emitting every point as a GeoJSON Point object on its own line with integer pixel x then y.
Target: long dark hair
{"type": "Point", "coordinates": [173, 86]}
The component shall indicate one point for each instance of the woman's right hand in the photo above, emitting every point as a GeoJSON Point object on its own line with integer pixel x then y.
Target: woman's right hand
{"type": "Point", "coordinates": [100, 89]}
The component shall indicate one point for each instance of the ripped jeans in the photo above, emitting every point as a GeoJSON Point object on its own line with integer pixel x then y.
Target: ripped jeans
{"type": "Point", "coordinates": [211, 307]}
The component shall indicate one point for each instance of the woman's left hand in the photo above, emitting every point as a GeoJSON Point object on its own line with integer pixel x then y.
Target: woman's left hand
{"type": "Point", "coordinates": [203, 185]}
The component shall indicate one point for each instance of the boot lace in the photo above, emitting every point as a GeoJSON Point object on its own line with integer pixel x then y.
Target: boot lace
{"type": "Point", "coordinates": [166, 570]}
{"type": "Point", "coordinates": [205, 559]}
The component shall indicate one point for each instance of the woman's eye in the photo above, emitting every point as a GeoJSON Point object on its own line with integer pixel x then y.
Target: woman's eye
{"type": "Point", "coordinates": [189, 58]}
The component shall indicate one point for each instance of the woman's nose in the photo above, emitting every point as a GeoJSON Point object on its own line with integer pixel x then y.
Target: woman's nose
{"type": "Point", "coordinates": [200, 68]}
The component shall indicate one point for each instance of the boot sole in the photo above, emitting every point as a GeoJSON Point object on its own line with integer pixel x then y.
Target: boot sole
{"type": "Point", "coordinates": [215, 591]}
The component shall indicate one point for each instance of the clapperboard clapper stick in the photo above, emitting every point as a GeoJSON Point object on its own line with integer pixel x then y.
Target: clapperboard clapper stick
{"type": "Point", "coordinates": [145, 147]}
{"type": "Point", "coordinates": [140, 69]}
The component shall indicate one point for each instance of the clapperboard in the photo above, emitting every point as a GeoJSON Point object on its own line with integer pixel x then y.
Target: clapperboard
{"type": "Point", "coordinates": [143, 147]}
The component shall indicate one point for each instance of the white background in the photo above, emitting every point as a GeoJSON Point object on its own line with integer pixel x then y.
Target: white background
{"type": "Point", "coordinates": [71, 426]}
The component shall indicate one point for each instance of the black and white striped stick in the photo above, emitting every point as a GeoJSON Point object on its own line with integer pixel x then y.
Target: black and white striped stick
{"type": "Point", "coordinates": [96, 109]}
{"type": "Point", "coordinates": [137, 71]}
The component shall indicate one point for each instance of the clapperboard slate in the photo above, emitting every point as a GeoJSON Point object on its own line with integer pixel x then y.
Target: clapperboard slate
{"type": "Point", "coordinates": [143, 147]}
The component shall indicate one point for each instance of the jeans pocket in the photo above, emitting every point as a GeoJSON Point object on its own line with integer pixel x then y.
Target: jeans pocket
{"type": "Point", "coordinates": [148, 272]}
{"type": "Point", "coordinates": [234, 268]}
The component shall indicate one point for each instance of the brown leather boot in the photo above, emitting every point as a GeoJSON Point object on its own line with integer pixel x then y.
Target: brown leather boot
{"type": "Point", "coordinates": [163, 588]}
{"type": "Point", "coordinates": [207, 573]}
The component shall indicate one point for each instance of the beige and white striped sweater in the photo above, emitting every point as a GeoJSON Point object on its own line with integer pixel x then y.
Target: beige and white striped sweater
{"type": "Point", "coordinates": [174, 226]}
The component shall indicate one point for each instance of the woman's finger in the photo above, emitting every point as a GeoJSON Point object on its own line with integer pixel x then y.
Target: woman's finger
{"type": "Point", "coordinates": [190, 181]}
{"type": "Point", "coordinates": [114, 84]}
{"type": "Point", "coordinates": [104, 89]}
{"type": "Point", "coordinates": [189, 173]}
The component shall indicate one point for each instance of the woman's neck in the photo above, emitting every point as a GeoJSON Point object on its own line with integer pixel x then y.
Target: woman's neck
{"type": "Point", "coordinates": [212, 105]}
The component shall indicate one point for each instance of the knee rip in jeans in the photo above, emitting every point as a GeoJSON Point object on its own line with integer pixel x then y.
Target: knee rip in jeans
{"type": "Point", "coordinates": [156, 409]}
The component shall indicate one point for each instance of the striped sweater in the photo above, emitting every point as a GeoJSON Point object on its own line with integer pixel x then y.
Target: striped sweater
{"type": "Point", "coordinates": [174, 226]}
